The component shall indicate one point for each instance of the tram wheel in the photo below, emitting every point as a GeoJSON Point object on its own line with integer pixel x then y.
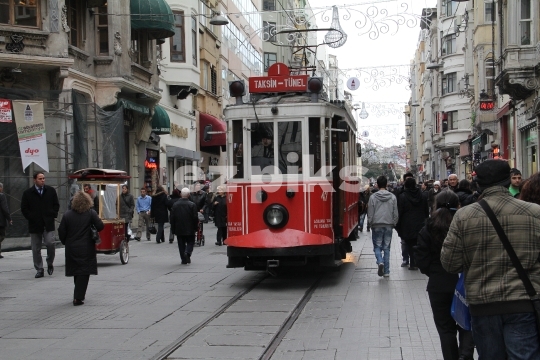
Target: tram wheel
{"type": "Point", "coordinates": [124, 252]}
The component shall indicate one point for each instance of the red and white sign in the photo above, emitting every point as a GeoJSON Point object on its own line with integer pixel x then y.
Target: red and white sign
{"type": "Point", "coordinates": [279, 79]}
{"type": "Point", "coordinates": [30, 122]}
{"type": "Point", "coordinates": [6, 114]}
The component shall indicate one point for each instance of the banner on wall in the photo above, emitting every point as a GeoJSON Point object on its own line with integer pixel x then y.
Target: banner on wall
{"type": "Point", "coordinates": [30, 122]}
{"type": "Point", "coordinates": [6, 114]}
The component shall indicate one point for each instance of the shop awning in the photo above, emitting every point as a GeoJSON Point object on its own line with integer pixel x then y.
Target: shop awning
{"type": "Point", "coordinates": [130, 105]}
{"type": "Point", "coordinates": [154, 17]}
{"type": "Point", "coordinates": [211, 123]}
{"type": "Point", "coordinates": [181, 153]}
{"type": "Point", "coordinates": [161, 124]}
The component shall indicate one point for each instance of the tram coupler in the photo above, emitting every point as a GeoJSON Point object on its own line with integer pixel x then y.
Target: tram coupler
{"type": "Point", "coordinates": [271, 266]}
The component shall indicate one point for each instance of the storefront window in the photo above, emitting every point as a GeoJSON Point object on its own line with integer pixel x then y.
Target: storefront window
{"type": "Point", "coordinates": [530, 151]}
{"type": "Point", "coordinates": [151, 170]}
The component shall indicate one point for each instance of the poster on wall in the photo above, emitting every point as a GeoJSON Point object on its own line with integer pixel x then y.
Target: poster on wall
{"type": "Point", "coordinates": [30, 122]}
{"type": "Point", "coordinates": [6, 114]}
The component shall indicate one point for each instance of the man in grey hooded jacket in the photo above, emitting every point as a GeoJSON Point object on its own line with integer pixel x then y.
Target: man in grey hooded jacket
{"type": "Point", "coordinates": [382, 218]}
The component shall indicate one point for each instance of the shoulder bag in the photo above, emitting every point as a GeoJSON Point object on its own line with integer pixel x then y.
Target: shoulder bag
{"type": "Point", "coordinates": [515, 261]}
{"type": "Point", "coordinates": [152, 228]}
{"type": "Point", "coordinates": [95, 235]}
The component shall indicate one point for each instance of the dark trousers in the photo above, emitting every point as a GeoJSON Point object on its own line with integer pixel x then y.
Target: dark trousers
{"type": "Point", "coordinates": [160, 236]}
{"type": "Point", "coordinates": [448, 329]}
{"type": "Point", "coordinates": [81, 284]}
{"type": "Point", "coordinates": [185, 245]}
{"type": "Point", "coordinates": [221, 234]}
{"type": "Point", "coordinates": [407, 251]}
{"type": "Point", "coordinates": [126, 226]}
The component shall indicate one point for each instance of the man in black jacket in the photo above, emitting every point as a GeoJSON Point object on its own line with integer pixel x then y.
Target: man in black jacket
{"type": "Point", "coordinates": [184, 222]}
{"type": "Point", "coordinates": [413, 212]}
{"type": "Point", "coordinates": [39, 205]}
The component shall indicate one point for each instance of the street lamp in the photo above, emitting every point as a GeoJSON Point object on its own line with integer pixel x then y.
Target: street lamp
{"type": "Point", "coordinates": [219, 20]}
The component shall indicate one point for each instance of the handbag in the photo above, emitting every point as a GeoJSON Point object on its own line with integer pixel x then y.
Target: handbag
{"type": "Point", "coordinates": [460, 307]}
{"type": "Point", "coordinates": [95, 235]}
{"type": "Point", "coordinates": [152, 228]}
{"type": "Point", "coordinates": [533, 295]}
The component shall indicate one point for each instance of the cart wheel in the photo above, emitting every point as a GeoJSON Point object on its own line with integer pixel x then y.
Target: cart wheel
{"type": "Point", "coordinates": [124, 252]}
{"type": "Point", "coordinates": [202, 241]}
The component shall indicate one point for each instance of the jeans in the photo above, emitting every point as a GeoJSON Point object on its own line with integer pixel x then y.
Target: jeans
{"type": "Point", "coordinates": [185, 245]}
{"type": "Point", "coordinates": [46, 237]}
{"type": "Point", "coordinates": [506, 337]}
{"type": "Point", "coordinates": [447, 328]}
{"type": "Point", "coordinates": [407, 251]}
{"type": "Point", "coordinates": [361, 221]}
{"type": "Point", "coordinates": [160, 236]}
{"type": "Point", "coordinates": [382, 237]}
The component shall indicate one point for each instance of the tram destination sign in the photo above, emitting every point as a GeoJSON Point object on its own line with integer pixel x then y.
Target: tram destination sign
{"type": "Point", "coordinates": [279, 79]}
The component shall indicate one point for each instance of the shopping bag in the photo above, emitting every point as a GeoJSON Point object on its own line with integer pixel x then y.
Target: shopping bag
{"type": "Point", "coordinates": [460, 307]}
{"type": "Point", "coordinates": [152, 229]}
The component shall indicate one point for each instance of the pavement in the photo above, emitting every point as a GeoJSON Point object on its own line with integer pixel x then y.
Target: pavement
{"type": "Point", "coordinates": [138, 310]}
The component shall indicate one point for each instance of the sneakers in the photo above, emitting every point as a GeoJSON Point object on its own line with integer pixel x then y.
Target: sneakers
{"type": "Point", "coordinates": [386, 275]}
{"type": "Point", "coordinates": [405, 264]}
{"type": "Point", "coordinates": [380, 272]}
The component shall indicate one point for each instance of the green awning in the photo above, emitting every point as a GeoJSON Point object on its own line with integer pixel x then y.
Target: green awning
{"type": "Point", "coordinates": [155, 17]}
{"type": "Point", "coordinates": [130, 105]}
{"type": "Point", "coordinates": [477, 140]}
{"type": "Point", "coordinates": [161, 124]}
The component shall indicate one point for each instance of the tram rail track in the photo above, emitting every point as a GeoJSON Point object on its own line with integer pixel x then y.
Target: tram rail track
{"type": "Point", "coordinates": [274, 342]}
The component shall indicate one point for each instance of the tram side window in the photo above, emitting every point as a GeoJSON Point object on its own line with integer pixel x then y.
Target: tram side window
{"type": "Point", "coordinates": [262, 148]}
{"type": "Point", "coordinates": [314, 146]}
{"type": "Point", "coordinates": [328, 142]}
{"type": "Point", "coordinates": [290, 147]}
{"type": "Point", "coordinates": [238, 149]}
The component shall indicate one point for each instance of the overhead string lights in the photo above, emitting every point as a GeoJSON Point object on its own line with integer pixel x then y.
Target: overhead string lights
{"type": "Point", "coordinates": [335, 37]}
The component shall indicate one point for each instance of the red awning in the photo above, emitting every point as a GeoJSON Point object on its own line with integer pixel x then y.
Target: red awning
{"type": "Point", "coordinates": [214, 124]}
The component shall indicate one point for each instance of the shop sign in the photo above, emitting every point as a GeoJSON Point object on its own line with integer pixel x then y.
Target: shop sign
{"type": "Point", "coordinates": [179, 131]}
{"type": "Point", "coordinates": [30, 122]}
{"type": "Point", "coordinates": [6, 115]}
{"type": "Point", "coordinates": [279, 79]}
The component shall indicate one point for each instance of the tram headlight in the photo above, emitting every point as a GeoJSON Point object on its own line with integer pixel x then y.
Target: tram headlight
{"type": "Point", "coordinates": [276, 216]}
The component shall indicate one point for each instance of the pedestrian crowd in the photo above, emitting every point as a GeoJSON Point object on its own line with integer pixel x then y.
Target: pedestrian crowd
{"type": "Point", "coordinates": [186, 211]}
{"type": "Point", "coordinates": [486, 231]}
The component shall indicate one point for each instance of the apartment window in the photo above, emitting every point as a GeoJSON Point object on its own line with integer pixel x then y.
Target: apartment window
{"type": "Point", "coordinates": [525, 22]}
{"type": "Point", "coordinates": [204, 75]}
{"type": "Point", "coordinates": [213, 80]}
{"type": "Point", "coordinates": [178, 49]}
{"type": "Point", "coordinates": [269, 60]}
{"type": "Point", "coordinates": [103, 30]}
{"type": "Point", "coordinates": [269, 31]}
{"type": "Point", "coordinates": [75, 21]}
{"type": "Point", "coordinates": [449, 44]}
{"type": "Point", "coordinates": [449, 83]}
{"type": "Point", "coordinates": [194, 47]}
{"type": "Point", "coordinates": [489, 13]}
{"type": "Point", "coordinates": [490, 77]}
{"type": "Point", "coordinates": [269, 5]}
{"type": "Point", "coordinates": [449, 7]}
{"type": "Point", "coordinates": [20, 13]}
{"type": "Point", "coordinates": [451, 121]}
{"type": "Point", "coordinates": [139, 47]}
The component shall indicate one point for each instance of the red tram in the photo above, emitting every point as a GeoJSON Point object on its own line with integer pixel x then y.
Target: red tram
{"type": "Point", "coordinates": [293, 181]}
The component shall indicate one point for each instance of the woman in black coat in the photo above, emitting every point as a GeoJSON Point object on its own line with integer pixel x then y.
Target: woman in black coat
{"type": "Point", "coordinates": [441, 284]}
{"type": "Point", "coordinates": [464, 193]}
{"type": "Point", "coordinates": [158, 211]}
{"type": "Point", "coordinates": [172, 200]}
{"type": "Point", "coordinates": [220, 215]}
{"type": "Point", "coordinates": [74, 233]}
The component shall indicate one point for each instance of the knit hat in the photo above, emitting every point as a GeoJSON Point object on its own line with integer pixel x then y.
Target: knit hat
{"type": "Point", "coordinates": [437, 183]}
{"type": "Point", "coordinates": [493, 173]}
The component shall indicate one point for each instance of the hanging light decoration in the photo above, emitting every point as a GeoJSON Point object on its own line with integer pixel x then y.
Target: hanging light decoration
{"type": "Point", "coordinates": [336, 37]}
{"type": "Point", "coordinates": [363, 113]}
